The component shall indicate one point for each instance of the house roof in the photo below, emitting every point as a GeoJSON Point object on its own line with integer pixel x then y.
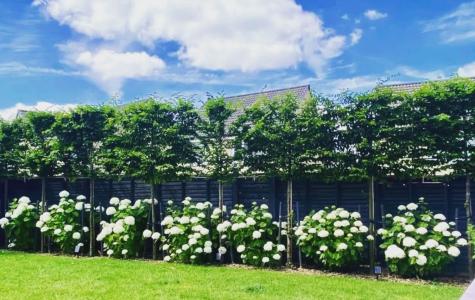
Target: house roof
{"type": "Point", "coordinates": [246, 100]}
{"type": "Point", "coordinates": [412, 86]}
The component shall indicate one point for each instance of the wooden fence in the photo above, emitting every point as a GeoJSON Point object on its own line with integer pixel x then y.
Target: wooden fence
{"type": "Point", "coordinates": [446, 198]}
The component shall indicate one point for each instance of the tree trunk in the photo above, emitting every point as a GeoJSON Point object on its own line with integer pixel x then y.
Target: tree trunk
{"type": "Point", "coordinates": [5, 203]}
{"type": "Point", "coordinates": [372, 249]}
{"type": "Point", "coordinates": [92, 237]}
{"type": "Point", "coordinates": [152, 207]}
{"type": "Point", "coordinates": [468, 210]}
{"type": "Point", "coordinates": [221, 198]}
{"type": "Point", "coordinates": [290, 216]}
{"type": "Point", "coordinates": [43, 209]}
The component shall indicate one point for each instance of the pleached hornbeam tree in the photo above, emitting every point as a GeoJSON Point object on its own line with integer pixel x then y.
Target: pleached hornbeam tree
{"type": "Point", "coordinates": [153, 142]}
{"type": "Point", "coordinates": [271, 139]}
{"type": "Point", "coordinates": [372, 126]}
{"type": "Point", "coordinates": [40, 157]}
{"type": "Point", "coordinates": [444, 118]}
{"type": "Point", "coordinates": [81, 134]}
{"type": "Point", "coordinates": [10, 157]}
{"type": "Point", "coordinates": [216, 144]}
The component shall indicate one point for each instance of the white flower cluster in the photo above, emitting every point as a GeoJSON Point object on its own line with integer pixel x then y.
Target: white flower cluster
{"type": "Point", "coordinates": [417, 242]}
{"type": "Point", "coordinates": [253, 234]}
{"type": "Point", "coordinates": [187, 235]}
{"type": "Point", "coordinates": [18, 223]}
{"type": "Point", "coordinates": [333, 237]}
{"type": "Point", "coordinates": [122, 235]}
{"type": "Point", "coordinates": [62, 222]}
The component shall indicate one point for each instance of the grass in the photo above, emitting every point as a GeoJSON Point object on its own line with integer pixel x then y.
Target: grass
{"type": "Point", "coordinates": [41, 276]}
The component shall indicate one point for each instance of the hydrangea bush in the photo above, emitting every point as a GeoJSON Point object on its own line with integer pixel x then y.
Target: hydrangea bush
{"type": "Point", "coordinates": [123, 235]}
{"type": "Point", "coordinates": [417, 242]}
{"type": "Point", "coordinates": [19, 224]}
{"type": "Point", "coordinates": [333, 237]}
{"type": "Point", "coordinates": [253, 235]}
{"type": "Point", "coordinates": [188, 232]}
{"type": "Point", "coordinates": [64, 222]}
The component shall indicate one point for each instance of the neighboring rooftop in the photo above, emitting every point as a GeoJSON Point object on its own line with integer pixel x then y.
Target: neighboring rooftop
{"type": "Point", "coordinates": [412, 86]}
{"type": "Point", "coordinates": [246, 100]}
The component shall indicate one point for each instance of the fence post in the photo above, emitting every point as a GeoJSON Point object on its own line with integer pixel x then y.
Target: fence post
{"type": "Point", "coordinates": [338, 194]}
{"type": "Point", "coordinates": [371, 222]}
{"type": "Point", "coordinates": [272, 197]}
{"type": "Point", "coordinates": [132, 189]}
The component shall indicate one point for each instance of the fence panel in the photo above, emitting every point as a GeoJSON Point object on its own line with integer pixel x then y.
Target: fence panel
{"type": "Point", "coordinates": [310, 195]}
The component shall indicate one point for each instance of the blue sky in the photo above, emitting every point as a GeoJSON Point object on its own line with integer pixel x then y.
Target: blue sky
{"type": "Point", "coordinates": [57, 52]}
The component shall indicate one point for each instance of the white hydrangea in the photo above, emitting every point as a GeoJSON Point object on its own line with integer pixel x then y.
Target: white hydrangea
{"type": "Point", "coordinates": [431, 243]}
{"type": "Point", "coordinates": [341, 246]}
{"type": "Point", "coordinates": [129, 220]}
{"type": "Point", "coordinates": [64, 194]}
{"type": "Point", "coordinates": [268, 246]}
{"type": "Point", "coordinates": [421, 230]}
{"type": "Point", "coordinates": [421, 260]}
{"type": "Point", "coordinates": [155, 236]}
{"type": "Point", "coordinates": [147, 233]}
{"type": "Point", "coordinates": [256, 234]}
{"type": "Point", "coordinates": [453, 251]}
{"type": "Point", "coordinates": [441, 227]}
{"type": "Point", "coordinates": [394, 252]}
{"type": "Point", "coordinates": [110, 211]}
{"type": "Point", "coordinates": [413, 253]}
{"type": "Point", "coordinates": [338, 233]}
{"type": "Point", "coordinates": [412, 206]}
{"type": "Point", "coordinates": [408, 242]}
{"type": "Point", "coordinates": [240, 248]}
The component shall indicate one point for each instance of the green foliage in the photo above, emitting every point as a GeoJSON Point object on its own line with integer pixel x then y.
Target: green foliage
{"type": "Point", "coordinates": [189, 234]}
{"type": "Point", "coordinates": [124, 233]}
{"type": "Point", "coordinates": [19, 224]}
{"type": "Point", "coordinates": [373, 131]}
{"type": "Point", "coordinates": [41, 158]}
{"type": "Point", "coordinates": [443, 118]}
{"type": "Point", "coordinates": [80, 134]}
{"type": "Point", "coordinates": [216, 144]}
{"type": "Point", "coordinates": [152, 141]}
{"type": "Point", "coordinates": [418, 242]}
{"type": "Point", "coordinates": [333, 237]}
{"type": "Point", "coordinates": [10, 156]}
{"type": "Point", "coordinates": [268, 140]}
{"type": "Point", "coordinates": [318, 125]}
{"type": "Point", "coordinates": [253, 235]}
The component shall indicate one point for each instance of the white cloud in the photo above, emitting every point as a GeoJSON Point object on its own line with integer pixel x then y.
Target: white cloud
{"type": "Point", "coordinates": [426, 75]}
{"type": "Point", "coordinates": [20, 69]}
{"type": "Point", "coordinates": [231, 35]}
{"type": "Point", "coordinates": [373, 14]}
{"type": "Point", "coordinates": [109, 69]}
{"type": "Point", "coordinates": [458, 25]}
{"type": "Point", "coordinates": [467, 70]}
{"type": "Point", "coordinates": [356, 36]}
{"type": "Point", "coordinates": [345, 17]}
{"type": "Point", "coordinates": [11, 112]}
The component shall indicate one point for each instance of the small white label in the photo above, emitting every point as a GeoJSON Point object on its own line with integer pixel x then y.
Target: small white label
{"type": "Point", "coordinates": [77, 248]}
{"type": "Point", "coordinates": [377, 270]}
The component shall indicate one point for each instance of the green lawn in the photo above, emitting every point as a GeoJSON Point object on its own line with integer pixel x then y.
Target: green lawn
{"type": "Point", "coordinates": [36, 276]}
